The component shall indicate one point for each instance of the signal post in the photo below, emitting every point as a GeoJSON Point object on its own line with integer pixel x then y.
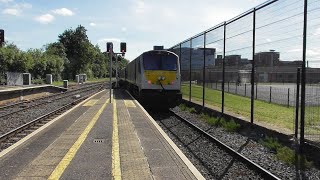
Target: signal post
{"type": "Point", "coordinates": [123, 49]}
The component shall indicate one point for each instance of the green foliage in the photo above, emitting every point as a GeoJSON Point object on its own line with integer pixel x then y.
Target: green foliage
{"type": "Point", "coordinates": [286, 154]}
{"type": "Point", "coordinates": [72, 54]}
{"type": "Point", "coordinates": [192, 110]}
{"type": "Point", "coordinates": [183, 107]}
{"type": "Point", "coordinates": [37, 81]}
{"type": "Point", "coordinates": [289, 156]}
{"type": "Point", "coordinates": [271, 143]}
{"type": "Point", "coordinates": [230, 126]}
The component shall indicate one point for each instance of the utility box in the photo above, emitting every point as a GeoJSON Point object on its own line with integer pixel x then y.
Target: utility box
{"type": "Point", "coordinates": [82, 78]}
{"type": "Point", "coordinates": [77, 79]}
{"type": "Point", "coordinates": [65, 83]}
{"type": "Point", "coordinates": [49, 78]}
{"type": "Point", "coordinates": [26, 78]}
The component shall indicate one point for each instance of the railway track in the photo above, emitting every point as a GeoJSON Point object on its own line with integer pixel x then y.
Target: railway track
{"type": "Point", "coordinates": [25, 105]}
{"type": "Point", "coordinates": [264, 173]}
{"type": "Point", "coordinates": [17, 133]}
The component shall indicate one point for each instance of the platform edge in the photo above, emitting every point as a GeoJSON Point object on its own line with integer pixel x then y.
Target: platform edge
{"type": "Point", "coordinates": [17, 144]}
{"type": "Point", "coordinates": [188, 163]}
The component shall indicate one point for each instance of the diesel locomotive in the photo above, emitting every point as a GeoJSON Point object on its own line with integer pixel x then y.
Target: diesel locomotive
{"type": "Point", "coordinates": [154, 78]}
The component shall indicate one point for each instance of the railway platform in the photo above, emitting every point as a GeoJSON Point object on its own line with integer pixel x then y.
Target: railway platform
{"type": "Point", "coordinates": [98, 140]}
{"type": "Point", "coordinates": [17, 93]}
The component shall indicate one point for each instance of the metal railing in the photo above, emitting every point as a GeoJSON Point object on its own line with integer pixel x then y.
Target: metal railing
{"type": "Point", "coordinates": [249, 65]}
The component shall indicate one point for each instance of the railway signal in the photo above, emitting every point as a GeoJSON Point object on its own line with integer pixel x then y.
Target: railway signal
{"type": "Point", "coordinates": [123, 48]}
{"type": "Point", "coordinates": [1, 37]}
{"type": "Point", "coordinates": [109, 47]}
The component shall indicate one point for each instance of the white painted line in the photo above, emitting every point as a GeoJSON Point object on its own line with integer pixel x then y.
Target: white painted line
{"type": "Point", "coordinates": [6, 151]}
{"type": "Point", "coordinates": [191, 167]}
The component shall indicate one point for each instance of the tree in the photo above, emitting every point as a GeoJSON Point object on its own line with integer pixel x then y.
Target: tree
{"type": "Point", "coordinates": [78, 49]}
{"type": "Point", "coordinates": [57, 61]}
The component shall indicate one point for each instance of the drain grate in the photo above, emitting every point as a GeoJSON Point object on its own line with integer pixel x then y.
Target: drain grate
{"type": "Point", "coordinates": [98, 140]}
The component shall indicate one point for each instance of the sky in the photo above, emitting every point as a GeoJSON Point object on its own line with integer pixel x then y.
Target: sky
{"type": "Point", "coordinates": [141, 24]}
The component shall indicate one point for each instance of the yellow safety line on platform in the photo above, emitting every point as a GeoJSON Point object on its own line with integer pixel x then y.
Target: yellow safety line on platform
{"type": "Point", "coordinates": [116, 170]}
{"type": "Point", "coordinates": [91, 102]}
{"type": "Point", "coordinates": [58, 171]}
{"type": "Point", "coordinates": [129, 103]}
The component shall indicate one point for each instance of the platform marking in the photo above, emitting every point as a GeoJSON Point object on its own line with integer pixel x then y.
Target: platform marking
{"type": "Point", "coordinates": [91, 102]}
{"type": "Point", "coordinates": [17, 144]}
{"type": "Point", "coordinates": [58, 171]}
{"type": "Point", "coordinates": [116, 169]}
{"type": "Point", "coordinates": [129, 103]}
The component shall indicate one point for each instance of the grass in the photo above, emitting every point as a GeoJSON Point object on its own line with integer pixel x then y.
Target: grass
{"type": "Point", "coordinates": [285, 154]}
{"type": "Point", "coordinates": [230, 126]}
{"type": "Point", "coordinates": [274, 114]}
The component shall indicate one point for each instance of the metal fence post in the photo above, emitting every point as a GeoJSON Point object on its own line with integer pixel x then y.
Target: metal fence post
{"type": "Point", "coordinates": [256, 90]}
{"type": "Point", "coordinates": [204, 68]}
{"type": "Point", "coordinates": [253, 65]}
{"type": "Point", "coordinates": [190, 69]}
{"type": "Point", "coordinates": [297, 105]}
{"type": "Point", "coordinates": [236, 89]}
{"type": "Point", "coordinates": [180, 63]}
{"type": "Point", "coordinates": [245, 89]}
{"type": "Point", "coordinates": [270, 94]}
{"type": "Point", "coordinates": [303, 75]}
{"type": "Point", "coordinates": [223, 66]}
{"type": "Point", "coordinates": [288, 104]}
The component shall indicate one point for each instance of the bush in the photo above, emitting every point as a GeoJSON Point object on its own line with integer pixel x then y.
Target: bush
{"type": "Point", "coordinates": [285, 154]}
{"type": "Point", "coordinates": [192, 110]}
{"type": "Point", "coordinates": [230, 126]}
{"type": "Point", "coordinates": [271, 143]}
{"type": "Point", "coordinates": [182, 107]}
{"type": "Point", "coordinates": [289, 156]}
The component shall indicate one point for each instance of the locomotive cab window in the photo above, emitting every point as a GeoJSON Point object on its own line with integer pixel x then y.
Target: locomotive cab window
{"type": "Point", "coordinates": [165, 61]}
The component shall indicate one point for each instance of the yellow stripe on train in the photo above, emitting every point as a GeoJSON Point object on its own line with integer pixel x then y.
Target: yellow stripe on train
{"type": "Point", "coordinates": [152, 76]}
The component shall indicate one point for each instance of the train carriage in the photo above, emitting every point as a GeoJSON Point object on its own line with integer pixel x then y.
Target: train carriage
{"type": "Point", "coordinates": [154, 78]}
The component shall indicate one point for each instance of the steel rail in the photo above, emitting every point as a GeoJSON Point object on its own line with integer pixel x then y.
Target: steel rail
{"type": "Point", "coordinates": [32, 123]}
{"type": "Point", "coordinates": [63, 95]}
{"type": "Point", "coordinates": [265, 173]}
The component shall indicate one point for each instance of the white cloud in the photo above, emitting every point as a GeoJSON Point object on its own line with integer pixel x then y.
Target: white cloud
{"type": "Point", "coordinates": [63, 12]}
{"type": "Point", "coordinates": [317, 32]}
{"type": "Point", "coordinates": [16, 9]}
{"type": "Point", "coordinates": [115, 41]}
{"type": "Point", "coordinates": [109, 40]}
{"type": "Point", "coordinates": [23, 6]}
{"type": "Point", "coordinates": [140, 7]}
{"type": "Point", "coordinates": [5, 1]}
{"type": "Point", "coordinates": [45, 18]}
{"type": "Point", "coordinates": [123, 29]}
{"type": "Point", "coordinates": [92, 24]}
{"type": "Point", "coordinates": [11, 11]}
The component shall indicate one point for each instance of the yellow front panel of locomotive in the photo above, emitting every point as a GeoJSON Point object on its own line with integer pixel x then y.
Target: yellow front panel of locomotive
{"type": "Point", "coordinates": [152, 76]}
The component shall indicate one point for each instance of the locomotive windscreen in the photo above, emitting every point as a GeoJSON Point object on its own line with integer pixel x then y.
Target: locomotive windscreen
{"type": "Point", "coordinates": [165, 61]}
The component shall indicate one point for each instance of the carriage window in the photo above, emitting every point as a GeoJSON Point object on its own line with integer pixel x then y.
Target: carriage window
{"type": "Point", "coordinates": [160, 62]}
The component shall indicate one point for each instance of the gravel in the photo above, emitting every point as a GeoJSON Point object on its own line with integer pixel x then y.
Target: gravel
{"type": "Point", "coordinates": [247, 146]}
{"type": "Point", "coordinates": [212, 161]}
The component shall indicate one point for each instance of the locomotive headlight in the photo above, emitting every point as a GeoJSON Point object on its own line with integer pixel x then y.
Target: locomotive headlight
{"type": "Point", "coordinates": [161, 78]}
